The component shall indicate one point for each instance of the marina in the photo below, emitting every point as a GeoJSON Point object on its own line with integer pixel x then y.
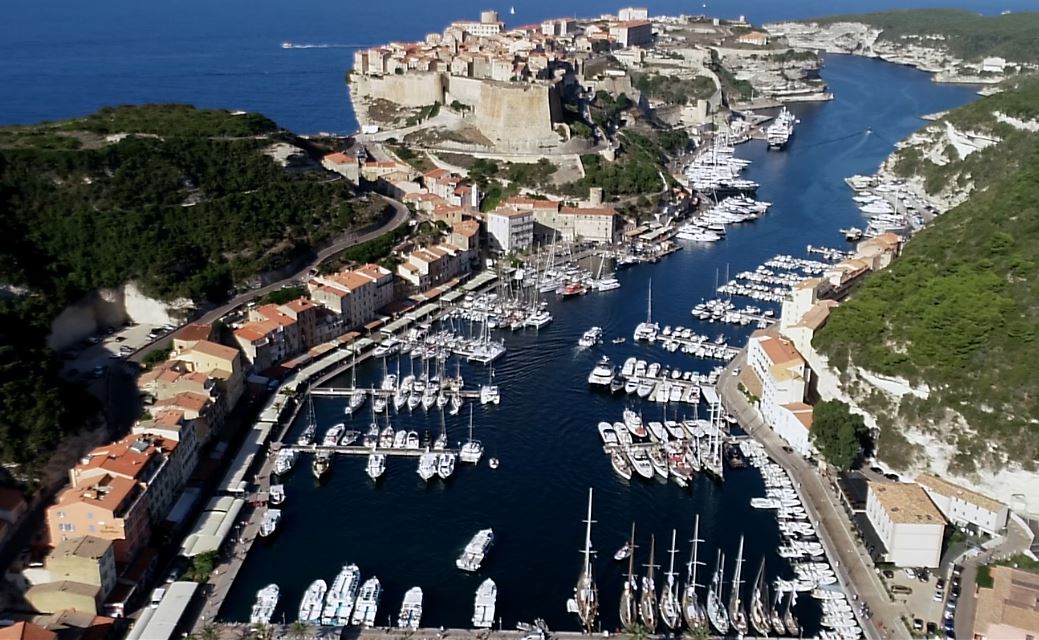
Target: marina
{"type": "Point", "coordinates": [544, 433]}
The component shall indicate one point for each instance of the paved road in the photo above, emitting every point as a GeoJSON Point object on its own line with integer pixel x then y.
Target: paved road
{"type": "Point", "coordinates": [349, 239]}
{"type": "Point", "coordinates": [855, 570]}
{"type": "Point", "coordinates": [1016, 540]}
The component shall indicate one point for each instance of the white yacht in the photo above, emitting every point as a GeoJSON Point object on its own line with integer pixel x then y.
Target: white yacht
{"type": "Point", "coordinates": [376, 465]}
{"type": "Point", "coordinates": [590, 338]}
{"type": "Point", "coordinates": [285, 460]}
{"type": "Point", "coordinates": [333, 435]}
{"type": "Point", "coordinates": [367, 603]}
{"type": "Point", "coordinates": [339, 603]}
{"type": "Point", "coordinates": [411, 610]}
{"type": "Point", "coordinates": [446, 465]}
{"type": "Point", "coordinates": [276, 495]}
{"type": "Point", "coordinates": [489, 394]}
{"type": "Point", "coordinates": [321, 464]}
{"type": "Point", "coordinates": [355, 401]}
{"type": "Point", "coordinates": [472, 450]}
{"type": "Point", "coordinates": [310, 607]}
{"type": "Point", "coordinates": [266, 601]}
{"type": "Point", "coordinates": [474, 552]}
{"type": "Point", "coordinates": [427, 465]}
{"type": "Point", "coordinates": [483, 608]}
{"type": "Point", "coordinates": [603, 373]}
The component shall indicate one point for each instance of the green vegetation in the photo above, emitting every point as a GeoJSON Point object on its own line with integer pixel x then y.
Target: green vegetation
{"type": "Point", "coordinates": [840, 436]}
{"type": "Point", "coordinates": [791, 55]}
{"type": "Point", "coordinates": [202, 567]}
{"type": "Point", "coordinates": [968, 35]}
{"type": "Point", "coordinates": [371, 251]}
{"type": "Point", "coordinates": [489, 174]}
{"type": "Point", "coordinates": [731, 87]}
{"type": "Point", "coordinates": [673, 89]}
{"type": "Point", "coordinates": [957, 310]}
{"type": "Point", "coordinates": [158, 356]}
{"type": "Point", "coordinates": [286, 294]}
{"type": "Point", "coordinates": [186, 214]}
{"type": "Point", "coordinates": [606, 110]}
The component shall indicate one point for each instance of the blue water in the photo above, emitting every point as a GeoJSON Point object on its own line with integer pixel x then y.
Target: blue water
{"type": "Point", "coordinates": [544, 431]}
{"type": "Point", "coordinates": [60, 58]}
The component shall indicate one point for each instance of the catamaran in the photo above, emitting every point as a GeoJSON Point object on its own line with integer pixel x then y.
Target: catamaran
{"type": "Point", "coordinates": [411, 610]}
{"type": "Point", "coordinates": [693, 611]}
{"type": "Point", "coordinates": [670, 610]}
{"type": "Point", "coordinates": [276, 495]}
{"type": "Point", "coordinates": [475, 551]}
{"type": "Point", "coordinates": [472, 450]}
{"type": "Point", "coordinates": [310, 607]}
{"type": "Point", "coordinates": [367, 603]}
{"type": "Point", "coordinates": [648, 599]}
{"type": "Point", "coordinates": [586, 594]}
{"type": "Point", "coordinates": [628, 604]}
{"type": "Point", "coordinates": [483, 607]}
{"type": "Point", "coordinates": [339, 602]}
{"type": "Point", "coordinates": [737, 613]}
{"type": "Point", "coordinates": [489, 393]}
{"type": "Point", "coordinates": [266, 601]}
{"type": "Point", "coordinates": [715, 609]}
{"type": "Point", "coordinates": [445, 465]}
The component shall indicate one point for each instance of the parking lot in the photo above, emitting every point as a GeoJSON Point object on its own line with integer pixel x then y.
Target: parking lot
{"type": "Point", "coordinates": [94, 355]}
{"type": "Point", "coordinates": [930, 603]}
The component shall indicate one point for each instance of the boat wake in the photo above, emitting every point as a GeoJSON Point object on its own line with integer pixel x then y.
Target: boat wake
{"type": "Point", "coordinates": [321, 45]}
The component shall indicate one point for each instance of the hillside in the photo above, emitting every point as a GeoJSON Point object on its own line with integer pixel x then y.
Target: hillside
{"type": "Point", "coordinates": [966, 35]}
{"type": "Point", "coordinates": [958, 311]}
{"type": "Point", "coordinates": [186, 201]}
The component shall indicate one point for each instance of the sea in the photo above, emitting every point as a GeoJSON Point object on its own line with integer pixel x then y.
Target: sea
{"type": "Point", "coordinates": [62, 59]}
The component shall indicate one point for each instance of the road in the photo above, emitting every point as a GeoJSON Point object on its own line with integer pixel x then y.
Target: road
{"type": "Point", "coordinates": [851, 562]}
{"type": "Point", "coordinates": [347, 240]}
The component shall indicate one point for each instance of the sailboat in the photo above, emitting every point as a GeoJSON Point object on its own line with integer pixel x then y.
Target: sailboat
{"type": "Point", "coordinates": [737, 614]}
{"type": "Point", "coordinates": [759, 609]}
{"type": "Point", "coordinates": [648, 601]}
{"type": "Point", "coordinates": [586, 593]}
{"type": "Point", "coordinates": [357, 396]}
{"type": "Point", "coordinates": [792, 626]}
{"type": "Point", "coordinates": [306, 438]}
{"type": "Point", "coordinates": [472, 449]}
{"type": "Point", "coordinates": [628, 607]}
{"type": "Point", "coordinates": [775, 615]}
{"type": "Point", "coordinates": [670, 612]}
{"type": "Point", "coordinates": [715, 609]}
{"type": "Point", "coordinates": [647, 331]}
{"type": "Point", "coordinates": [693, 610]}
{"type": "Point", "coordinates": [489, 393]}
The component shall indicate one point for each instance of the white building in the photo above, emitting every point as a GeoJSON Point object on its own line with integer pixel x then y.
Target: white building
{"type": "Point", "coordinates": [781, 370]}
{"type": "Point", "coordinates": [633, 13]}
{"type": "Point", "coordinates": [794, 424]}
{"type": "Point", "coordinates": [907, 523]}
{"type": "Point", "coordinates": [963, 506]}
{"type": "Point", "coordinates": [510, 229]}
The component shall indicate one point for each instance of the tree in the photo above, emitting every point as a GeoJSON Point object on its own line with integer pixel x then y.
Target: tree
{"type": "Point", "coordinates": [209, 632]}
{"type": "Point", "coordinates": [839, 435]}
{"type": "Point", "coordinates": [299, 631]}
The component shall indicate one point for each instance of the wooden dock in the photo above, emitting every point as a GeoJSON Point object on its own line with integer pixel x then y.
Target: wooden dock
{"type": "Point", "coordinates": [361, 450]}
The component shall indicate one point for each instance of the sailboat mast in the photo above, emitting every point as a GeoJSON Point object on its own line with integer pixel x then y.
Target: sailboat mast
{"type": "Point", "coordinates": [696, 552]}
{"type": "Point", "coordinates": [649, 303]}
{"type": "Point", "coordinates": [631, 556]}
{"type": "Point", "coordinates": [671, 567]}
{"type": "Point", "coordinates": [588, 537]}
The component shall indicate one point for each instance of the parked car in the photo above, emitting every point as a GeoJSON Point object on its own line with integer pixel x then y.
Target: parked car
{"type": "Point", "coordinates": [940, 584]}
{"type": "Point", "coordinates": [918, 624]}
{"type": "Point", "coordinates": [910, 573]}
{"type": "Point", "coordinates": [900, 588]}
{"type": "Point", "coordinates": [939, 595]}
{"type": "Point", "coordinates": [932, 630]}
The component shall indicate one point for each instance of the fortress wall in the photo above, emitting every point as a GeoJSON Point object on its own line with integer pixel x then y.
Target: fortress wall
{"type": "Point", "coordinates": [464, 90]}
{"type": "Point", "coordinates": [516, 112]}
{"type": "Point", "coordinates": [409, 90]}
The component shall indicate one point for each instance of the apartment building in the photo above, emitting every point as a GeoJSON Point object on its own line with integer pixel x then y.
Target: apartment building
{"type": "Point", "coordinates": [963, 506]}
{"type": "Point", "coordinates": [82, 573]}
{"type": "Point", "coordinates": [355, 295]}
{"type": "Point", "coordinates": [782, 371]}
{"type": "Point", "coordinates": [907, 523]}
{"type": "Point", "coordinates": [510, 229]}
{"type": "Point", "coordinates": [632, 33]}
{"type": "Point", "coordinates": [109, 506]}
{"type": "Point", "coordinates": [430, 266]}
{"type": "Point", "coordinates": [174, 426]}
{"type": "Point", "coordinates": [222, 363]}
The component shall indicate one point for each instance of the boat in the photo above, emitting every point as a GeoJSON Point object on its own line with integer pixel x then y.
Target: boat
{"type": "Point", "coordinates": [427, 465]}
{"type": "Point", "coordinates": [386, 437]}
{"type": "Point", "coordinates": [321, 463]}
{"type": "Point", "coordinates": [607, 434]}
{"type": "Point", "coordinates": [658, 460]}
{"type": "Point", "coordinates": [376, 465]}
{"type": "Point", "coordinates": [276, 495]}
{"type": "Point", "coordinates": [379, 403]}
{"type": "Point", "coordinates": [619, 340]}
{"type": "Point", "coordinates": [603, 373]}
{"type": "Point", "coordinates": [456, 405]}
{"type": "Point", "coordinates": [483, 606]}
{"type": "Point", "coordinates": [493, 463]}
{"type": "Point", "coordinates": [266, 602]}
{"type": "Point", "coordinates": [586, 594]}
{"type": "Point", "coordinates": [472, 450]}
{"type": "Point", "coordinates": [616, 385]}
{"type": "Point", "coordinates": [306, 437]}
{"type": "Point", "coordinates": [737, 612]}
{"type": "Point", "coordinates": [647, 331]}
{"type": "Point", "coordinates": [776, 615]}
{"type": "Point", "coordinates": [357, 396]}
{"type": "Point", "coordinates": [670, 610]}
{"type": "Point", "coordinates": [640, 462]}
{"type": "Point", "coordinates": [715, 609]}
{"type": "Point", "coordinates": [445, 465]}
{"type": "Point", "coordinates": [475, 551]}
{"type": "Point", "coordinates": [789, 620]}
{"type": "Point", "coordinates": [648, 597]}
{"type": "Point", "coordinates": [779, 132]}
{"type": "Point", "coordinates": [333, 434]}
{"type": "Point", "coordinates": [339, 602]}
{"type": "Point", "coordinates": [760, 617]}
{"type": "Point", "coordinates": [349, 437]}
{"type": "Point", "coordinates": [489, 393]}
{"type": "Point", "coordinates": [633, 422]}
{"type": "Point", "coordinates": [367, 603]}
{"type": "Point", "coordinates": [628, 604]}
{"type": "Point", "coordinates": [692, 609]}
{"type": "Point", "coordinates": [411, 440]}
{"type": "Point", "coordinates": [623, 552]}
{"type": "Point", "coordinates": [313, 598]}
{"type": "Point", "coordinates": [269, 524]}
{"type": "Point", "coordinates": [620, 464]}
{"type": "Point", "coordinates": [590, 338]}
{"type": "Point", "coordinates": [285, 460]}
{"type": "Point", "coordinates": [410, 615]}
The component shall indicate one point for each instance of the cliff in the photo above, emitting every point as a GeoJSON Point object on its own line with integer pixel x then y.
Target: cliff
{"type": "Point", "coordinates": [939, 348]}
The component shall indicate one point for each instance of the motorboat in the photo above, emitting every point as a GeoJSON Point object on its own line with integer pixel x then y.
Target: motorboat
{"type": "Point", "coordinates": [410, 615]}
{"type": "Point", "coordinates": [276, 494]}
{"type": "Point", "coordinates": [333, 434]}
{"type": "Point", "coordinates": [427, 465]}
{"type": "Point", "coordinates": [623, 552]}
{"type": "Point", "coordinates": [620, 464]}
{"type": "Point", "coordinates": [321, 464]}
{"type": "Point", "coordinates": [285, 460]}
{"type": "Point", "coordinates": [386, 437]}
{"type": "Point", "coordinates": [339, 602]}
{"type": "Point", "coordinates": [313, 599]}
{"type": "Point", "coordinates": [445, 465]}
{"type": "Point", "coordinates": [633, 422]}
{"type": "Point", "coordinates": [411, 440]}
{"type": "Point", "coordinates": [475, 551]}
{"type": "Point", "coordinates": [484, 605]}
{"type": "Point", "coordinates": [349, 437]}
{"type": "Point", "coordinates": [640, 463]}
{"type": "Point", "coordinates": [376, 465]}
{"type": "Point", "coordinates": [266, 602]}
{"type": "Point", "coordinates": [603, 373]}
{"type": "Point", "coordinates": [590, 338]}
{"type": "Point", "coordinates": [367, 604]}
{"type": "Point", "coordinates": [607, 434]}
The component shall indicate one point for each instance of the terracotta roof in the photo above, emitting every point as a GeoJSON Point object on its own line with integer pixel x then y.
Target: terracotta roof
{"type": "Point", "coordinates": [588, 211]}
{"type": "Point", "coordinates": [335, 291]}
{"type": "Point", "coordinates": [809, 283]}
{"type": "Point", "coordinates": [906, 503]}
{"type": "Point", "coordinates": [26, 631]}
{"type": "Point", "coordinates": [779, 351]}
{"type": "Point", "coordinates": [945, 488]}
{"type": "Point", "coordinates": [339, 158]}
{"type": "Point", "coordinates": [373, 271]}
{"type": "Point", "coordinates": [256, 331]}
{"type": "Point", "coordinates": [300, 304]}
{"type": "Point", "coordinates": [195, 331]}
{"type": "Point", "coordinates": [436, 174]}
{"type": "Point", "coordinates": [127, 457]}
{"type": "Point", "coordinates": [187, 400]}
{"type": "Point", "coordinates": [215, 350]}
{"type": "Point", "coordinates": [817, 315]}
{"type": "Point", "coordinates": [631, 24]}
{"type": "Point", "coordinates": [107, 492]}
{"type": "Point", "coordinates": [803, 412]}
{"type": "Point", "coordinates": [350, 280]}
{"type": "Point", "coordinates": [1010, 608]}
{"type": "Point", "coordinates": [468, 228]}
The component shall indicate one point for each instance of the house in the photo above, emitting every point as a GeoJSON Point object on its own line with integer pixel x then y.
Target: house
{"type": "Point", "coordinates": [907, 523]}
{"type": "Point", "coordinates": [220, 362]}
{"type": "Point", "coordinates": [632, 33]}
{"type": "Point", "coordinates": [189, 335]}
{"type": "Point", "coordinates": [466, 236]}
{"type": "Point", "coordinates": [109, 506]}
{"type": "Point", "coordinates": [355, 295]}
{"type": "Point", "coordinates": [754, 38]}
{"type": "Point", "coordinates": [780, 369]}
{"type": "Point", "coordinates": [347, 166]}
{"type": "Point", "coordinates": [177, 379]}
{"type": "Point", "coordinates": [430, 266]}
{"type": "Point", "coordinates": [82, 572]}
{"type": "Point", "coordinates": [964, 506]}
{"type": "Point", "coordinates": [172, 423]}
{"type": "Point", "coordinates": [263, 343]}
{"type": "Point", "coordinates": [878, 252]}
{"type": "Point", "coordinates": [1009, 608]}
{"type": "Point", "coordinates": [510, 229]}
{"type": "Point", "coordinates": [794, 424]}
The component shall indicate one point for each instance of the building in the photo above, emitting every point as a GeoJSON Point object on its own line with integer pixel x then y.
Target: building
{"type": "Point", "coordinates": [907, 523]}
{"type": "Point", "coordinates": [780, 369]}
{"type": "Point", "coordinates": [489, 25]}
{"type": "Point", "coordinates": [77, 566]}
{"type": "Point", "coordinates": [1009, 609]}
{"type": "Point", "coordinates": [754, 38]}
{"type": "Point", "coordinates": [355, 295]}
{"type": "Point", "coordinates": [880, 251]}
{"type": "Point", "coordinates": [466, 236]}
{"type": "Point", "coordinates": [167, 620]}
{"type": "Point", "coordinates": [173, 425]}
{"type": "Point", "coordinates": [175, 385]}
{"type": "Point", "coordinates": [510, 229]}
{"type": "Point", "coordinates": [581, 224]}
{"type": "Point", "coordinates": [794, 424]}
{"type": "Point", "coordinates": [843, 275]}
{"type": "Point", "coordinates": [26, 631]}
{"type": "Point", "coordinates": [632, 33]}
{"type": "Point", "coordinates": [628, 14]}
{"type": "Point", "coordinates": [110, 507]}
{"type": "Point", "coordinates": [993, 65]}
{"type": "Point", "coordinates": [964, 507]}
{"type": "Point", "coordinates": [220, 362]}
{"type": "Point", "coordinates": [430, 266]}
{"type": "Point", "coordinates": [347, 166]}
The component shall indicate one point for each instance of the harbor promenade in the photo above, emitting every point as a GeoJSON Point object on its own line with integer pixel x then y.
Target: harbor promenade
{"type": "Point", "coordinates": [238, 631]}
{"type": "Point", "coordinates": [851, 562]}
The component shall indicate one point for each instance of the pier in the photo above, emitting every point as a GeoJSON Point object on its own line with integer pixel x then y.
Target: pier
{"type": "Point", "coordinates": [233, 631]}
{"type": "Point", "coordinates": [345, 392]}
{"type": "Point", "coordinates": [361, 450]}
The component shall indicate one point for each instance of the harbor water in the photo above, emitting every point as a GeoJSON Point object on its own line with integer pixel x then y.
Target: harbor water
{"type": "Point", "coordinates": [409, 533]}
